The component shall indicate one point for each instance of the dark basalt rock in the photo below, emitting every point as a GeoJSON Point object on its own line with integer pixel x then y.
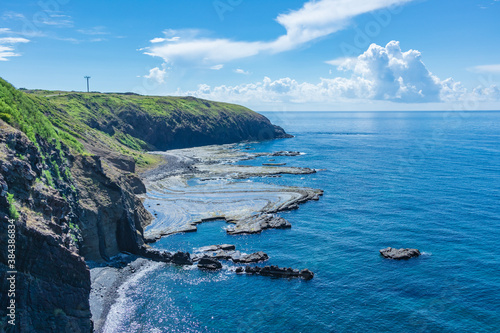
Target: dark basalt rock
{"type": "Point", "coordinates": [398, 254]}
{"type": "Point", "coordinates": [209, 263]}
{"type": "Point", "coordinates": [250, 258]}
{"type": "Point", "coordinates": [178, 258]}
{"type": "Point", "coordinates": [285, 153]}
{"type": "Point", "coordinates": [156, 255]}
{"type": "Point", "coordinates": [182, 258]}
{"type": "Point", "coordinates": [228, 252]}
{"type": "Point", "coordinates": [213, 248]}
{"type": "Point", "coordinates": [277, 272]}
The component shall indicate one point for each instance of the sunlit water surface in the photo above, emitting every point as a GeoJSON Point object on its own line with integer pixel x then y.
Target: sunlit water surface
{"type": "Point", "coordinates": [424, 180]}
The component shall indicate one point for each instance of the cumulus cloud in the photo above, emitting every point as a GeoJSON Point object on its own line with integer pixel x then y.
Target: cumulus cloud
{"type": "Point", "coordinates": [157, 74]}
{"type": "Point", "coordinates": [314, 20]}
{"type": "Point", "coordinates": [379, 74]}
{"type": "Point", "coordinates": [7, 49]}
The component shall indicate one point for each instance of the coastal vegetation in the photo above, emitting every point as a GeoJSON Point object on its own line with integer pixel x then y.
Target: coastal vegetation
{"type": "Point", "coordinates": [69, 166]}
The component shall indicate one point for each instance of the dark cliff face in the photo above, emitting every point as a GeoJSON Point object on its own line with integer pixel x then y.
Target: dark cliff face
{"type": "Point", "coordinates": [161, 123]}
{"type": "Point", "coordinates": [53, 281]}
{"type": "Point", "coordinates": [92, 215]}
{"type": "Point", "coordinates": [111, 216]}
{"type": "Point", "coordinates": [181, 130]}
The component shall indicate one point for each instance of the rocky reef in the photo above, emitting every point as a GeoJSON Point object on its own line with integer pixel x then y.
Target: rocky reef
{"type": "Point", "coordinates": [228, 252]}
{"type": "Point", "coordinates": [398, 254]}
{"type": "Point", "coordinates": [277, 272]}
{"type": "Point", "coordinates": [204, 184]}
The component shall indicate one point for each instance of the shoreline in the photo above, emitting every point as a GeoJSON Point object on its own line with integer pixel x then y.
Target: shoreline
{"type": "Point", "coordinates": [204, 184]}
{"type": "Point", "coordinates": [207, 165]}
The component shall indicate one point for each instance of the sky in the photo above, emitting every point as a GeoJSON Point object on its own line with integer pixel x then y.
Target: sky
{"type": "Point", "coordinates": [318, 55]}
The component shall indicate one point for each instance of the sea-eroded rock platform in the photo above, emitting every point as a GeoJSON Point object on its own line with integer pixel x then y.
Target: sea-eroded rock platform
{"type": "Point", "coordinates": [204, 183]}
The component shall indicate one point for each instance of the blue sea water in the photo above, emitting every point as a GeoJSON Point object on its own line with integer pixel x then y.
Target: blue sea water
{"type": "Point", "coordinates": [428, 180]}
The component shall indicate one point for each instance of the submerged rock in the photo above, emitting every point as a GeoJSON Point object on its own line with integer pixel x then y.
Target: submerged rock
{"type": "Point", "coordinates": [277, 272]}
{"type": "Point", "coordinates": [392, 253]}
{"type": "Point", "coordinates": [209, 263]}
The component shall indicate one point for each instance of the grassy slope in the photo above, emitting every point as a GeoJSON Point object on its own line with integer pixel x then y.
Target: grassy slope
{"type": "Point", "coordinates": [35, 115]}
{"type": "Point", "coordinates": [127, 123]}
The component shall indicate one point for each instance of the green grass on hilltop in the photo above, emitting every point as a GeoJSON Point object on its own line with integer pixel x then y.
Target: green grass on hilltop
{"type": "Point", "coordinates": [84, 121]}
{"type": "Point", "coordinates": [34, 115]}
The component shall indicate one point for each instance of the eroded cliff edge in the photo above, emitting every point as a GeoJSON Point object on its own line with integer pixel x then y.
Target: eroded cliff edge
{"type": "Point", "coordinates": [67, 178]}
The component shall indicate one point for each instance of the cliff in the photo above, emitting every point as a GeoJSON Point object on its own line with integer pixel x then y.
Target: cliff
{"type": "Point", "coordinates": [68, 181]}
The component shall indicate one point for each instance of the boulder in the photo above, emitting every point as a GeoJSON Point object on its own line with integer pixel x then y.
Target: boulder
{"type": "Point", "coordinates": [213, 248]}
{"type": "Point", "coordinates": [251, 258]}
{"type": "Point", "coordinates": [209, 263]}
{"type": "Point", "coordinates": [306, 274]}
{"type": "Point", "coordinates": [228, 252]}
{"type": "Point", "coordinates": [182, 258]}
{"type": "Point", "coordinates": [285, 153]}
{"type": "Point", "coordinates": [398, 254]}
{"type": "Point", "coordinates": [277, 272]}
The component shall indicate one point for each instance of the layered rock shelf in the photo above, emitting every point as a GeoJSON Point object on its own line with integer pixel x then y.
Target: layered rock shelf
{"type": "Point", "coordinates": [203, 184]}
{"type": "Point", "coordinates": [228, 252]}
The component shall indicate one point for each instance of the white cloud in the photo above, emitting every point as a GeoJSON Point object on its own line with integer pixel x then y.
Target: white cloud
{"type": "Point", "coordinates": [12, 16]}
{"type": "Point", "coordinates": [7, 47]}
{"type": "Point", "coordinates": [341, 62]}
{"type": "Point", "coordinates": [161, 40]}
{"type": "Point", "coordinates": [241, 71]}
{"type": "Point", "coordinates": [495, 68]}
{"type": "Point", "coordinates": [157, 74]}
{"type": "Point", "coordinates": [5, 31]}
{"type": "Point", "coordinates": [13, 40]}
{"type": "Point", "coordinates": [157, 40]}
{"type": "Point", "coordinates": [379, 74]}
{"type": "Point", "coordinates": [217, 67]}
{"type": "Point", "coordinates": [57, 20]}
{"type": "Point", "coordinates": [314, 20]}
{"type": "Point", "coordinates": [99, 30]}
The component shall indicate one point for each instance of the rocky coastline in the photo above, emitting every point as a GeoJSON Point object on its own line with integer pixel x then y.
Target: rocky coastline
{"type": "Point", "coordinates": [204, 183]}
{"type": "Point", "coordinates": [207, 164]}
{"type": "Point", "coordinates": [69, 184]}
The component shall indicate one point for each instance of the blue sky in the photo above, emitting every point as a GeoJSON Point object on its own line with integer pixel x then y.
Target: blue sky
{"type": "Point", "coordinates": [267, 55]}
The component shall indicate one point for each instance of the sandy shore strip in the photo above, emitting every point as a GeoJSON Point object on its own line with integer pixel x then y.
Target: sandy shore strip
{"type": "Point", "coordinates": [109, 287]}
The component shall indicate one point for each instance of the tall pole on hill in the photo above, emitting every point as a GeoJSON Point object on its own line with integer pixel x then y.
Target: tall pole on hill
{"type": "Point", "coordinates": [87, 77]}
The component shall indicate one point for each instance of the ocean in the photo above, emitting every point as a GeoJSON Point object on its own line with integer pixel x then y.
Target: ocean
{"type": "Point", "coordinates": [426, 180]}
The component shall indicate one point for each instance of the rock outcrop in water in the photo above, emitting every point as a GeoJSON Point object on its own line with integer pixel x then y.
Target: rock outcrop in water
{"type": "Point", "coordinates": [275, 271]}
{"type": "Point", "coordinates": [209, 263]}
{"type": "Point", "coordinates": [249, 207]}
{"type": "Point", "coordinates": [228, 252]}
{"type": "Point", "coordinates": [398, 254]}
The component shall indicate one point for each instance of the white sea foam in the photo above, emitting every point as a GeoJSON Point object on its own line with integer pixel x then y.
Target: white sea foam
{"type": "Point", "coordinates": [123, 307]}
